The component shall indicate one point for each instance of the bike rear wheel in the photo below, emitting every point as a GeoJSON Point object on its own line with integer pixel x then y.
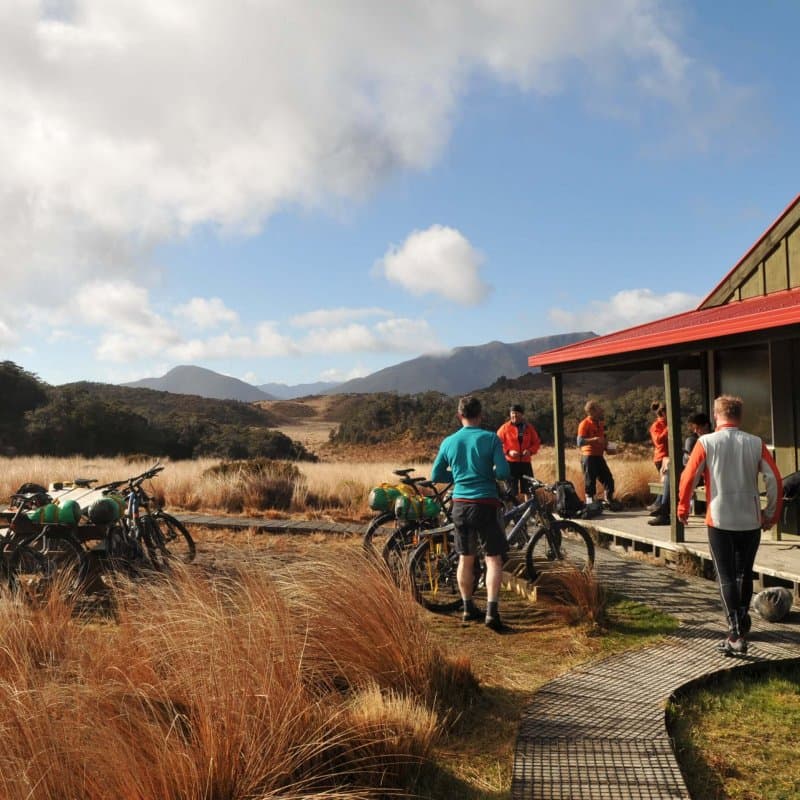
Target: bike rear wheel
{"type": "Point", "coordinates": [27, 572]}
{"type": "Point", "coordinates": [398, 548]}
{"type": "Point", "coordinates": [378, 532]}
{"type": "Point", "coordinates": [63, 555]}
{"type": "Point", "coordinates": [563, 547]}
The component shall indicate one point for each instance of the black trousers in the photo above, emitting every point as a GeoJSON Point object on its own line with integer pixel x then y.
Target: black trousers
{"type": "Point", "coordinates": [518, 469]}
{"type": "Point", "coordinates": [595, 469]}
{"type": "Point", "coordinates": [734, 553]}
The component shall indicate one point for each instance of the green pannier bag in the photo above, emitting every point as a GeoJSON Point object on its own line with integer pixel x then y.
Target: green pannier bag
{"type": "Point", "coordinates": [381, 498]}
{"type": "Point", "coordinates": [416, 508]}
{"type": "Point", "coordinates": [44, 514]}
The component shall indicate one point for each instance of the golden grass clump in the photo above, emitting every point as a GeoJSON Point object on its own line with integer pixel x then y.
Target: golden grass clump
{"type": "Point", "coordinates": [242, 682]}
{"type": "Point", "coordinates": [580, 599]}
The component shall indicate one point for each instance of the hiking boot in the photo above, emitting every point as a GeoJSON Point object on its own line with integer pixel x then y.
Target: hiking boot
{"type": "Point", "coordinates": [659, 520]}
{"type": "Point", "coordinates": [733, 647]}
{"type": "Point", "coordinates": [654, 508]}
{"type": "Point", "coordinates": [471, 613]}
{"type": "Point", "coordinates": [494, 623]}
{"type": "Point", "coordinates": [612, 505]}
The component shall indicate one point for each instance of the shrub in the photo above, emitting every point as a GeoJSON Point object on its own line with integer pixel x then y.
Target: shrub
{"type": "Point", "coordinates": [257, 483]}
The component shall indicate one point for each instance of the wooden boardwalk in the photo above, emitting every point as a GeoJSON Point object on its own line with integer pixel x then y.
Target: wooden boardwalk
{"type": "Point", "coordinates": [599, 732]}
{"type": "Point", "coordinates": [275, 525]}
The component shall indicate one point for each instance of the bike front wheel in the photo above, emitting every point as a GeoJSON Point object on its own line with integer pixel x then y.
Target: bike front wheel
{"type": "Point", "coordinates": [175, 541]}
{"type": "Point", "coordinates": [562, 547]}
{"type": "Point", "coordinates": [433, 572]}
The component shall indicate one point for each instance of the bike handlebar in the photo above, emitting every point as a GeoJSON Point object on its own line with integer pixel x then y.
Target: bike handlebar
{"type": "Point", "coordinates": [137, 480]}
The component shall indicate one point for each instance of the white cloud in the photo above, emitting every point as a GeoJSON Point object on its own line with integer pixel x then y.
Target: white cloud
{"type": "Point", "coordinates": [128, 123]}
{"type": "Point", "coordinates": [206, 313]}
{"type": "Point", "coordinates": [341, 375]}
{"type": "Point", "coordinates": [8, 336]}
{"type": "Point", "coordinates": [325, 317]}
{"type": "Point", "coordinates": [439, 260]}
{"type": "Point", "coordinates": [623, 310]}
{"type": "Point", "coordinates": [396, 335]}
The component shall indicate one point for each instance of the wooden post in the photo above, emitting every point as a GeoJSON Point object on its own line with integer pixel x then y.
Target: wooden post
{"type": "Point", "coordinates": [673, 401]}
{"type": "Point", "coordinates": [558, 426]}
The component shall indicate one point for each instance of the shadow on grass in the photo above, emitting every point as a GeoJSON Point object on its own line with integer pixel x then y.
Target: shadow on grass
{"type": "Point", "coordinates": [436, 783]}
{"type": "Point", "coordinates": [476, 758]}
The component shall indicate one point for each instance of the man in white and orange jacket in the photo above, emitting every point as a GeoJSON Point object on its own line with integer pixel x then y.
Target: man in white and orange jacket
{"type": "Point", "coordinates": [731, 460]}
{"type": "Point", "coordinates": [520, 442]}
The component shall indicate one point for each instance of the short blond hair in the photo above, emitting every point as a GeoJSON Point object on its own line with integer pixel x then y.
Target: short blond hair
{"type": "Point", "coordinates": [728, 406]}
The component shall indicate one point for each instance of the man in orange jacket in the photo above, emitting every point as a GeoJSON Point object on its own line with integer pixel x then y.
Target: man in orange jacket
{"type": "Point", "coordinates": [520, 442]}
{"type": "Point", "coordinates": [594, 445]}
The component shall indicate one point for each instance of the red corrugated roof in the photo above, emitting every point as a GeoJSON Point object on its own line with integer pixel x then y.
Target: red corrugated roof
{"type": "Point", "coordinates": [758, 313]}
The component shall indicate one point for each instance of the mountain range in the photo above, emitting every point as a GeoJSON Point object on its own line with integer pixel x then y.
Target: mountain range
{"type": "Point", "coordinates": [458, 371]}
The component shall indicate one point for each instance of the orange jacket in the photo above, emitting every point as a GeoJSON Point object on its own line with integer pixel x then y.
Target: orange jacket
{"type": "Point", "coordinates": [509, 436]}
{"type": "Point", "coordinates": [659, 435]}
{"type": "Point", "coordinates": [588, 429]}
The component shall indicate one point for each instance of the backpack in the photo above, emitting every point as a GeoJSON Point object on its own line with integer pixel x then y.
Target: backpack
{"type": "Point", "coordinates": [568, 504]}
{"type": "Point", "coordinates": [591, 510]}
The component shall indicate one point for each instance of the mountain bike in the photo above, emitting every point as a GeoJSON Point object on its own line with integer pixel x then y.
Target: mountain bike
{"type": "Point", "coordinates": [555, 545]}
{"type": "Point", "coordinates": [164, 538]}
{"type": "Point", "coordinates": [386, 526]}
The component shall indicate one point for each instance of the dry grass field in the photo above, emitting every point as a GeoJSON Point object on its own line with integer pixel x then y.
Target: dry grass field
{"type": "Point", "coordinates": [331, 489]}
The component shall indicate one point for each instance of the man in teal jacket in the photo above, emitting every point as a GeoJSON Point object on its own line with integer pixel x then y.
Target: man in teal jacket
{"type": "Point", "coordinates": [473, 459]}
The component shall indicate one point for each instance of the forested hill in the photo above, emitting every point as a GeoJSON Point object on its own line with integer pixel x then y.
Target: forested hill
{"type": "Point", "coordinates": [429, 416]}
{"type": "Point", "coordinates": [103, 419]}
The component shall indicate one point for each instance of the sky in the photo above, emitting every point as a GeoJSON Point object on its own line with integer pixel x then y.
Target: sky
{"type": "Point", "coordinates": [293, 191]}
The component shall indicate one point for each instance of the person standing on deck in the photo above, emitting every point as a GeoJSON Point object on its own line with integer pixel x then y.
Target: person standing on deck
{"type": "Point", "coordinates": [731, 460]}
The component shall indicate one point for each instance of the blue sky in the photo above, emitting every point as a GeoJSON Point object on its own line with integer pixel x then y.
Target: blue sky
{"type": "Point", "coordinates": [296, 191]}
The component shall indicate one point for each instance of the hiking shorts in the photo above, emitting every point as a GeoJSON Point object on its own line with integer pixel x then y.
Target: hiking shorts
{"type": "Point", "coordinates": [479, 524]}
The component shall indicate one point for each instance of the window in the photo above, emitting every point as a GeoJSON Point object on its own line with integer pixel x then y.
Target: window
{"type": "Point", "coordinates": [744, 372]}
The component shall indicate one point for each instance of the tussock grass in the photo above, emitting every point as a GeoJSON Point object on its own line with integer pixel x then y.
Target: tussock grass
{"type": "Point", "coordinates": [580, 599]}
{"type": "Point", "coordinates": [339, 488]}
{"type": "Point", "coordinates": [227, 685]}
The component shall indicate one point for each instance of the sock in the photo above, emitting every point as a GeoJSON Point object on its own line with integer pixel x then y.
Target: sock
{"type": "Point", "coordinates": [468, 603]}
{"type": "Point", "coordinates": [491, 608]}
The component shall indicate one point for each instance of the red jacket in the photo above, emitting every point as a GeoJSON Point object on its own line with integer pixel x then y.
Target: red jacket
{"type": "Point", "coordinates": [659, 434]}
{"type": "Point", "coordinates": [509, 436]}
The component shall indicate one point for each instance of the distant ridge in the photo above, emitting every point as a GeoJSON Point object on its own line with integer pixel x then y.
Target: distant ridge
{"type": "Point", "coordinates": [203, 382]}
{"type": "Point", "coordinates": [283, 391]}
{"type": "Point", "coordinates": [462, 370]}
